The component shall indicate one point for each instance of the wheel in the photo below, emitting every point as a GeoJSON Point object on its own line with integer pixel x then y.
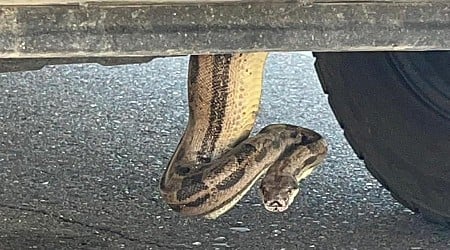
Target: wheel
{"type": "Point", "coordinates": [394, 108]}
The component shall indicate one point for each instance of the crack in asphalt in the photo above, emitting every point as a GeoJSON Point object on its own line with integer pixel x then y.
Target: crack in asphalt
{"type": "Point", "coordinates": [72, 221]}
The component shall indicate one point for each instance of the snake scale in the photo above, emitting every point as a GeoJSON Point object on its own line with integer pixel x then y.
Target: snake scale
{"type": "Point", "coordinates": [216, 162]}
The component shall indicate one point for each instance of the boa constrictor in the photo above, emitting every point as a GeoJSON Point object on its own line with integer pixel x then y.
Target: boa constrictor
{"type": "Point", "coordinates": [216, 162]}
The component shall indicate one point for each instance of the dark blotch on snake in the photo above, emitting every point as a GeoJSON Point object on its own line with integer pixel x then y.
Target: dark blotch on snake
{"type": "Point", "coordinates": [240, 159]}
{"type": "Point", "coordinates": [192, 78]}
{"type": "Point", "coordinates": [308, 139]}
{"type": "Point", "coordinates": [313, 147]}
{"type": "Point", "coordinates": [197, 178]}
{"type": "Point", "coordinates": [231, 180]}
{"type": "Point", "coordinates": [276, 144]}
{"type": "Point", "coordinates": [193, 184]}
{"type": "Point", "coordinates": [288, 151]}
{"type": "Point", "coordinates": [310, 160]}
{"type": "Point", "coordinates": [294, 134]}
{"type": "Point", "coordinates": [298, 170]}
{"type": "Point", "coordinates": [248, 149]}
{"type": "Point", "coordinates": [182, 170]}
{"type": "Point", "coordinates": [198, 201]}
{"type": "Point", "coordinates": [260, 156]}
{"type": "Point", "coordinates": [244, 151]}
{"type": "Point", "coordinates": [221, 68]}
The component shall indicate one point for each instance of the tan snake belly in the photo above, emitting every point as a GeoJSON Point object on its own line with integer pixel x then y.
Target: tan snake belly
{"type": "Point", "coordinates": [216, 162]}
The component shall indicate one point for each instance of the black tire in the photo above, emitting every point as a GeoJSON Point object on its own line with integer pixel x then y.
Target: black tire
{"type": "Point", "coordinates": [394, 108]}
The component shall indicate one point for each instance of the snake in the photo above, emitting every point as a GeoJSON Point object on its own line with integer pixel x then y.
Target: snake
{"type": "Point", "coordinates": [217, 160]}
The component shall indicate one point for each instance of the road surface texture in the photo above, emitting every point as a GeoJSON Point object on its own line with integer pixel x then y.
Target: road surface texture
{"type": "Point", "coordinates": [83, 148]}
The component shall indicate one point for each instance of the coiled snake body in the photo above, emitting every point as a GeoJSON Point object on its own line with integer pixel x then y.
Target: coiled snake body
{"type": "Point", "coordinates": [216, 162]}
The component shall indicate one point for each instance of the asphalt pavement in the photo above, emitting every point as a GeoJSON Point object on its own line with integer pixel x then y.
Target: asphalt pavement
{"type": "Point", "coordinates": [82, 148]}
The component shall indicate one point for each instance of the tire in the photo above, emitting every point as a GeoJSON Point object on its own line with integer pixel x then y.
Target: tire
{"type": "Point", "coordinates": [394, 108]}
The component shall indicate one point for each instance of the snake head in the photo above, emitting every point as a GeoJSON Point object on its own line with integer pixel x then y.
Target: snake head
{"type": "Point", "coordinates": [278, 192]}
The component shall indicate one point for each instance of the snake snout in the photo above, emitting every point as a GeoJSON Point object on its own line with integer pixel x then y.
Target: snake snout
{"type": "Point", "coordinates": [276, 205]}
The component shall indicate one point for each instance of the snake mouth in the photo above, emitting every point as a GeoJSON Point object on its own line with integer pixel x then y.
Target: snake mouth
{"type": "Point", "coordinates": [276, 206]}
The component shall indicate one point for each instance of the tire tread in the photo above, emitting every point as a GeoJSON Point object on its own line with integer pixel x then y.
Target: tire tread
{"type": "Point", "coordinates": [338, 105]}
